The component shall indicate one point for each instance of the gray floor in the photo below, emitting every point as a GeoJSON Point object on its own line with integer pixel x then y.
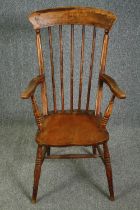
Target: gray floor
{"type": "Point", "coordinates": [68, 184]}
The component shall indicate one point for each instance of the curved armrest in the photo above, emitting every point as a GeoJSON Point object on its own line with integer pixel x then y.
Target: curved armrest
{"type": "Point", "coordinates": [113, 86]}
{"type": "Point", "coordinates": [32, 87]}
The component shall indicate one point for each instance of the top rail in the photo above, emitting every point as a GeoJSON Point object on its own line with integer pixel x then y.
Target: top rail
{"type": "Point", "coordinates": [72, 15]}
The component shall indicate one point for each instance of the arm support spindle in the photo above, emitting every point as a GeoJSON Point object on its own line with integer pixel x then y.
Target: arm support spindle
{"type": "Point", "coordinates": [29, 93]}
{"type": "Point", "coordinates": [116, 91]}
{"type": "Point", "coordinates": [108, 112]}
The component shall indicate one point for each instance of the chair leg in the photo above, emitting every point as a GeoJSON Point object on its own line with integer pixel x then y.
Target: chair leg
{"type": "Point", "coordinates": [48, 150]}
{"type": "Point", "coordinates": [108, 170]}
{"type": "Point", "coordinates": [37, 172]}
{"type": "Point", "coordinates": [94, 150]}
{"type": "Point", "coordinates": [44, 153]}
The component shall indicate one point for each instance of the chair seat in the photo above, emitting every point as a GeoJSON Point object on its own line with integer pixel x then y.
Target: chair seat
{"type": "Point", "coordinates": [71, 129]}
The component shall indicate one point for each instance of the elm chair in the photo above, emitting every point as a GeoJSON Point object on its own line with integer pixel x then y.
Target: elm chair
{"type": "Point", "coordinates": [62, 128]}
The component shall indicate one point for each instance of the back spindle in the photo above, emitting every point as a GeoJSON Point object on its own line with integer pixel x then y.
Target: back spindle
{"type": "Point", "coordinates": [61, 66]}
{"type": "Point", "coordinates": [81, 66]}
{"type": "Point", "coordinates": [91, 67]}
{"type": "Point", "coordinates": [71, 66]}
{"type": "Point", "coordinates": [52, 67]}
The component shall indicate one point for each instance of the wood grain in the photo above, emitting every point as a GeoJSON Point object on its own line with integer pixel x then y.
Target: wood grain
{"type": "Point", "coordinates": [72, 15]}
{"type": "Point", "coordinates": [71, 129]}
{"type": "Point", "coordinates": [81, 66]}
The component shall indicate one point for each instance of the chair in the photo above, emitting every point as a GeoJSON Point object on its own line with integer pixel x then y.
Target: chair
{"type": "Point", "coordinates": [61, 128]}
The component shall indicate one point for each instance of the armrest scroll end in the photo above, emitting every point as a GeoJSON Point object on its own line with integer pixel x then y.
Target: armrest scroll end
{"type": "Point", "coordinates": [113, 86]}
{"type": "Point", "coordinates": [29, 91]}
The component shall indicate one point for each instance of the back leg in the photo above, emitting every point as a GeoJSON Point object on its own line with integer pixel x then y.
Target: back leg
{"type": "Point", "coordinates": [48, 150]}
{"type": "Point", "coordinates": [37, 172]}
{"type": "Point", "coordinates": [108, 170]}
{"type": "Point", "coordinates": [94, 150]}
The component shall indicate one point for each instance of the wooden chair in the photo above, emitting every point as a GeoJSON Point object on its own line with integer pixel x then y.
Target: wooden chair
{"type": "Point", "coordinates": [71, 127]}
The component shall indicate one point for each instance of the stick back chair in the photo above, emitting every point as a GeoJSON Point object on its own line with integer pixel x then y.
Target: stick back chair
{"type": "Point", "coordinates": [61, 128]}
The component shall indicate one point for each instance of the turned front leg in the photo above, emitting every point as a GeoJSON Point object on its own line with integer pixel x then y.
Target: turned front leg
{"type": "Point", "coordinates": [108, 170]}
{"type": "Point", "coordinates": [37, 172]}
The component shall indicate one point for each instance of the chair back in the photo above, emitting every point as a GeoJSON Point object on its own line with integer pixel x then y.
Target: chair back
{"type": "Point", "coordinates": [82, 16]}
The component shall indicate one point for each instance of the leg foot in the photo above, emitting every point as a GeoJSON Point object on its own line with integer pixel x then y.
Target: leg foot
{"type": "Point", "coordinates": [112, 198]}
{"type": "Point", "coordinates": [108, 171]}
{"type": "Point", "coordinates": [33, 201]}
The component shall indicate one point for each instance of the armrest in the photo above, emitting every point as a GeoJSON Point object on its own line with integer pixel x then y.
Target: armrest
{"type": "Point", "coordinates": [113, 86]}
{"type": "Point", "coordinates": [29, 91]}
